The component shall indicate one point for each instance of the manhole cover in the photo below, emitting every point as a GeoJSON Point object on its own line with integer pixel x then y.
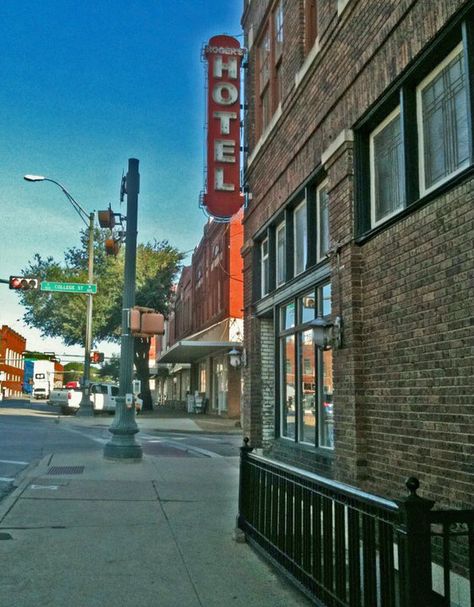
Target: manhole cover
{"type": "Point", "coordinates": [66, 470]}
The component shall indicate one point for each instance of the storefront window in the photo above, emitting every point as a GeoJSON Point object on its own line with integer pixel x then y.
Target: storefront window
{"type": "Point", "coordinates": [202, 377]}
{"type": "Point", "coordinates": [307, 387]}
{"type": "Point", "coordinates": [306, 405]}
{"type": "Point", "coordinates": [288, 387]}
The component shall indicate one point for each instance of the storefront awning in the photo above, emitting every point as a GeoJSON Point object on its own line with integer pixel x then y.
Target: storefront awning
{"type": "Point", "coordinates": [190, 351]}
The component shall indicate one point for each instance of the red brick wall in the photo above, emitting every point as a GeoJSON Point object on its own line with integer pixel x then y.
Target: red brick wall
{"type": "Point", "coordinates": [11, 342]}
{"type": "Point", "coordinates": [403, 381]}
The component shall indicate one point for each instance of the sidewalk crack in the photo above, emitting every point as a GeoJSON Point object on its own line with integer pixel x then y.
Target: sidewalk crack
{"type": "Point", "coordinates": [173, 535]}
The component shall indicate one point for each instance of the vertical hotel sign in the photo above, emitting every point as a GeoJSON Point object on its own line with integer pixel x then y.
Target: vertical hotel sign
{"type": "Point", "coordinates": [222, 198]}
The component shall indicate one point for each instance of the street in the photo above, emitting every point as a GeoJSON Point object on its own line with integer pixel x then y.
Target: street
{"type": "Point", "coordinates": [30, 430]}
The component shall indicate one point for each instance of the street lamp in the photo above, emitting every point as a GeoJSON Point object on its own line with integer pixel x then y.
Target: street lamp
{"type": "Point", "coordinates": [85, 408]}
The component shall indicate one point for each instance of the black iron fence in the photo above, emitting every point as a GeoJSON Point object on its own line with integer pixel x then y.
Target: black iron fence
{"type": "Point", "coordinates": [347, 548]}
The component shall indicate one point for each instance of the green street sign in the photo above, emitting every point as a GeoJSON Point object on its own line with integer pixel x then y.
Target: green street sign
{"type": "Point", "coordinates": [68, 287]}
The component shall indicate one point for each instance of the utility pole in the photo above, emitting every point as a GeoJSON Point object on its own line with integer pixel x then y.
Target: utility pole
{"type": "Point", "coordinates": [123, 444]}
{"type": "Point", "coordinates": [85, 406]}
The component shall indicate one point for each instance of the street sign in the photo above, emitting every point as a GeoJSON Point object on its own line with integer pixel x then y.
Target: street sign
{"type": "Point", "coordinates": [68, 287]}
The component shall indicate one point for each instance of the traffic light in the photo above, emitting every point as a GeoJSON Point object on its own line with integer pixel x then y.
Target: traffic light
{"type": "Point", "coordinates": [23, 283]}
{"type": "Point", "coordinates": [112, 246]}
{"type": "Point", "coordinates": [97, 357]}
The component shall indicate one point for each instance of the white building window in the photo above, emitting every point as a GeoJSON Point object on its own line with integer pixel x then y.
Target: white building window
{"type": "Point", "coordinates": [387, 187]}
{"type": "Point", "coordinates": [442, 122]}
{"type": "Point", "coordinates": [280, 243]}
{"type": "Point", "coordinates": [300, 238]}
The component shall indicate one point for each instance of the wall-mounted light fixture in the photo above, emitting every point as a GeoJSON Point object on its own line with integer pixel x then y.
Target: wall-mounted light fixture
{"type": "Point", "coordinates": [327, 333]}
{"type": "Point", "coordinates": [237, 358]}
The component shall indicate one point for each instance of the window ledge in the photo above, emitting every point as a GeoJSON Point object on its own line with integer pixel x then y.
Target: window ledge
{"type": "Point", "coordinates": [307, 62]}
{"type": "Point", "coordinates": [266, 133]}
{"type": "Point", "coordinates": [341, 5]}
{"type": "Point", "coordinates": [323, 452]}
{"type": "Point", "coordinates": [455, 181]}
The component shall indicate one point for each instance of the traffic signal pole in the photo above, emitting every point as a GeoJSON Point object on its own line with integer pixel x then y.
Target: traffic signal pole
{"type": "Point", "coordinates": [85, 406]}
{"type": "Point", "coordinates": [123, 444]}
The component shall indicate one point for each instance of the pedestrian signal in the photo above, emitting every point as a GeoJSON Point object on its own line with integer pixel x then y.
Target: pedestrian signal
{"type": "Point", "coordinates": [97, 357]}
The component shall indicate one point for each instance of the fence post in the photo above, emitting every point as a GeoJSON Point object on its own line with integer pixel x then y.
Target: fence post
{"type": "Point", "coordinates": [415, 557]}
{"type": "Point", "coordinates": [239, 534]}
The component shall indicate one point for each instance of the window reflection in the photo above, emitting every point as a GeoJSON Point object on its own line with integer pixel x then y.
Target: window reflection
{"type": "Point", "coordinates": [326, 429]}
{"type": "Point", "coordinates": [307, 305]}
{"type": "Point", "coordinates": [288, 387]}
{"type": "Point", "coordinates": [288, 316]}
{"type": "Point", "coordinates": [308, 391]}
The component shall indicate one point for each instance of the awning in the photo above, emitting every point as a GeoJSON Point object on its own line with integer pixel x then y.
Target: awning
{"type": "Point", "coordinates": [186, 351]}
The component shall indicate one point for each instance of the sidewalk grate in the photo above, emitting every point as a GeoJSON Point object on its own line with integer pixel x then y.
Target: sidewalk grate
{"type": "Point", "coordinates": [66, 470]}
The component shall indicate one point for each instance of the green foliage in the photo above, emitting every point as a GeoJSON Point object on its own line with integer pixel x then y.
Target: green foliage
{"type": "Point", "coordinates": [75, 372]}
{"type": "Point", "coordinates": [63, 315]}
{"type": "Point", "coordinates": [109, 371]}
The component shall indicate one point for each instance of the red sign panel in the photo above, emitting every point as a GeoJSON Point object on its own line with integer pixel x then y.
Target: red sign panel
{"type": "Point", "coordinates": [223, 198]}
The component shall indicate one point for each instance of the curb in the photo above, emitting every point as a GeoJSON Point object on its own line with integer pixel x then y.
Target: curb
{"type": "Point", "coordinates": [20, 483]}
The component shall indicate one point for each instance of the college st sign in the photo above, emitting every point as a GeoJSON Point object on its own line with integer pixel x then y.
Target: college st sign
{"type": "Point", "coordinates": [222, 198]}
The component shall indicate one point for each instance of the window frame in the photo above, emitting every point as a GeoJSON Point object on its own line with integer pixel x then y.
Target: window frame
{"type": "Point", "coordinates": [310, 25]}
{"type": "Point", "coordinates": [264, 267]}
{"type": "Point", "coordinates": [280, 228]}
{"type": "Point", "coordinates": [403, 92]}
{"type": "Point", "coordinates": [374, 222]}
{"type": "Point", "coordinates": [319, 256]}
{"type": "Point", "coordinates": [296, 331]}
{"type": "Point", "coordinates": [459, 49]}
{"type": "Point", "coordinates": [269, 90]}
{"type": "Point", "coordinates": [302, 204]}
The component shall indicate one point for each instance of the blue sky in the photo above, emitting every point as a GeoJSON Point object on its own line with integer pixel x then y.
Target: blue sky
{"type": "Point", "coordinates": [85, 86]}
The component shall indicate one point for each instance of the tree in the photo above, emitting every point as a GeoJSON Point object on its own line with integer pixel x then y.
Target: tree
{"type": "Point", "coordinates": [64, 315]}
{"type": "Point", "coordinates": [110, 370]}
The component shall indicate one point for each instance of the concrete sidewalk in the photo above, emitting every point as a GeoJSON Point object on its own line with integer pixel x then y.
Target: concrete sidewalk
{"type": "Point", "coordinates": [83, 531]}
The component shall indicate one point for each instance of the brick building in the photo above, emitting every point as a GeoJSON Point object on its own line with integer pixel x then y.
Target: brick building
{"type": "Point", "coordinates": [205, 323]}
{"type": "Point", "coordinates": [12, 346]}
{"type": "Point", "coordinates": [360, 165]}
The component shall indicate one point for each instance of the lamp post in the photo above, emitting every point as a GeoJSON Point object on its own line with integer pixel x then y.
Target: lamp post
{"type": "Point", "coordinates": [85, 407]}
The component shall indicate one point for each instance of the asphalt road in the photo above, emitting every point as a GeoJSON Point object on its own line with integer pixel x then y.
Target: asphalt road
{"type": "Point", "coordinates": [28, 431]}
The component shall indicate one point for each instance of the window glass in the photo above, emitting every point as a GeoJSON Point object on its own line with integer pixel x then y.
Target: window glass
{"type": "Point", "coordinates": [288, 316]}
{"type": "Point", "coordinates": [288, 387]}
{"type": "Point", "coordinates": [300, 238]}
{"type": "Point", "coordinates": [326, 413]}
{"type": "Point", "coordinates": [306, 403]}
{"type": "Point", "coordinates": [202, 377]}
{"type": "Point", "coordinates": [323, 221]}
{"type": "Point", "coordinates": [265, 60]}
{"type": "Point", "coordinates": [115, 391]}
{"type": "Point", "coordinates": [307, 305]}
{"type": "Point", "coordinates": [279, 27]}
{"type": "Point", "coordinates": [387, 176]}
{"type": "Point", "coordinates": [326, 300]}
{"type": "Point", "coordinates": [308, 392]}
{"type": "Point", "coordinates": [265, 267]}
{"type": "Point", "coordinates": [311, 25]}
{"type": "Point", "coordinates": [443, 121]}
{"type": "Point", "coordinates": [281, 254]}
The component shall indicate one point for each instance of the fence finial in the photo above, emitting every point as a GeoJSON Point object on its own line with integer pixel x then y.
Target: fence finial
{"type": "Point", "coordinates": [412, 484]}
